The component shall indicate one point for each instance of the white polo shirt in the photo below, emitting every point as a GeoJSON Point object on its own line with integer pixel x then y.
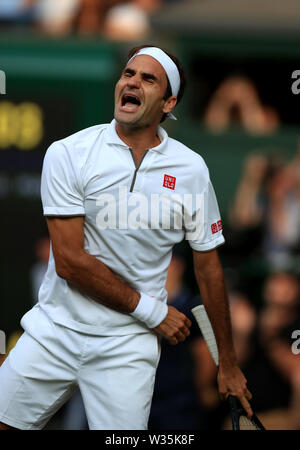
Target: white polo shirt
{"type": "Point", "coordinates": [133, 218]}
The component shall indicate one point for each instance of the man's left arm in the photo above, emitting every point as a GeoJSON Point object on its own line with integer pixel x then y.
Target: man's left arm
{"type": "Point", "coordinates": [210, 279]}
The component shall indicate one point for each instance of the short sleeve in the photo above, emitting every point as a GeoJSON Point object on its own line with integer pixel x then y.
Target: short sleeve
{"type": "Point", "coordinates": [60, 189]}
{"type": "Point", "coordinates": [203, 223]}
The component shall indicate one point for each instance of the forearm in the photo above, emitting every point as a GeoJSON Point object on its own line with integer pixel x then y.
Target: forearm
{"type": "Point", "coordinates": [213, 292]}
{"type": "Point", "coordinates": [95, 279]}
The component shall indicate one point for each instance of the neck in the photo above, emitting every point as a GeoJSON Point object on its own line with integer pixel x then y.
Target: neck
{"type": "Point", "coordinates": [138, 139]}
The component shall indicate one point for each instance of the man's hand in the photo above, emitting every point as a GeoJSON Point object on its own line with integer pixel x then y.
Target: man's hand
{"type": "Point", "coordinates": [175, 326]}
{"type": "Point", "coordinates": [231, 381]}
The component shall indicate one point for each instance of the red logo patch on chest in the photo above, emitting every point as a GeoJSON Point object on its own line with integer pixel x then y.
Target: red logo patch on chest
{"type": "Point", "coordinates": [169, 182]}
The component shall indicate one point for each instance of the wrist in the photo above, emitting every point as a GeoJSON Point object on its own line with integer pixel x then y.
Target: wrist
{"type": "Point", "coordinates": [150, 310]}
{"type": "Point", "coordinates": [227, 360]}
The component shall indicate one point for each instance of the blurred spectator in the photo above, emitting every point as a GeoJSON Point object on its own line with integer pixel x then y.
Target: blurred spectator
{"type": "Point", "coordinates": [279, 317]}
{"type": "Point", "coordinates": [120, 20]}
{"type": "Point", "coordinates": [243, 318]}
{"type": "Point", "coordinates": [15, 12]}
{"type": "Point", "coordinates": [38, 270]}
{"type": "Point", "coordinates": [54, 17]}
{"type": "Point", "coordinates": [176, 400]}
{"type": "Point", "coordinates": [130, 20]}
{"type": "Point", "coordinates": [236, 102]}
{"type": "Point", "coordinates": [92, 14]}
{"type": "Point", "coordinates": [267, 208]}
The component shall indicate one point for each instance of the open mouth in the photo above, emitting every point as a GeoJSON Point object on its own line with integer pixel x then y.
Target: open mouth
{"type": "Point", "coordinates": [130, 102]}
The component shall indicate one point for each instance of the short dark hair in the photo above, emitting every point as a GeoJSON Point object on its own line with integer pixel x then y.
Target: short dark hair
{"type": "Point", "coordinates": [181, 71]}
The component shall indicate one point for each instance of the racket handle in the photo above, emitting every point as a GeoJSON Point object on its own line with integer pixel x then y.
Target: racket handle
{"type": "Point", "coordinates": [233, 406]}
{"type": "Point", "coordinates": [232, 401]}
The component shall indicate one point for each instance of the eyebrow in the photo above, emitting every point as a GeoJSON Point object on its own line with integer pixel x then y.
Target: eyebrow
{"type": "Point", "coordinates": [145, 75]}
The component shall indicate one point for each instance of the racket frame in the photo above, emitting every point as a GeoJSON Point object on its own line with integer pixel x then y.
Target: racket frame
{"type": "Point", "coordinates": [236, 411]}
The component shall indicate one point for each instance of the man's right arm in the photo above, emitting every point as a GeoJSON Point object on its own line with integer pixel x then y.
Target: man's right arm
{"type": "Point", "coordinates": [84, 271]}
{"type": "Point", "coordinates": [95, 279]}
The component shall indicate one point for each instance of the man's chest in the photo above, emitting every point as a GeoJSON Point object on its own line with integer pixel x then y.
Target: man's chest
{"type": "Point", "coordinates": [120, 193]}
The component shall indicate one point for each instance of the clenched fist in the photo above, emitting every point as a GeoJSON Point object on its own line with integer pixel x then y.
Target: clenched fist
{"type": "Point", "coordinates": [175, 326]}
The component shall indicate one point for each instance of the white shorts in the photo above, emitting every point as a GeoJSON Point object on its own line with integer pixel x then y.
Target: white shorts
{"type": "Point", "coordinates": [115, 375]}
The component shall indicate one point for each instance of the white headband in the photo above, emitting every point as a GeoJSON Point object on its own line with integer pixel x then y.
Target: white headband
{"type": "Point", "coordinates": [168, 65]}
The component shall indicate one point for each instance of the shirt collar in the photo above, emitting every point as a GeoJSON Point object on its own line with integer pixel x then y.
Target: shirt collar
{"type": "Point", "coordinates": [113, 137]}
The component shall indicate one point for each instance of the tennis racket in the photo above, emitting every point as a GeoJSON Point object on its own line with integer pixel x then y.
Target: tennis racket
{"type": "Point", "coordinates": [239, 417]}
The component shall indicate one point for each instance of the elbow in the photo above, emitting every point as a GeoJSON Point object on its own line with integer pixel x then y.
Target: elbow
{"type": "Point", "coordinates": [64, 264]}
{"type": "Point", "coordinates": [62, 271]}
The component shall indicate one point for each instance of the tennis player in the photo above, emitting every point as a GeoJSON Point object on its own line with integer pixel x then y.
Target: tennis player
{"type": "Point", "coordinates": [117, 198]}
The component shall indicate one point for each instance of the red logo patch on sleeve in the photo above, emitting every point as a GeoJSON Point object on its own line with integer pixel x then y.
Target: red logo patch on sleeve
{"type": "Point", "coordinates": [214, 228]}
{"type": "Point", "coordinates": [169, 182]}
{"type": "Point", "coordinates": [217, 226]}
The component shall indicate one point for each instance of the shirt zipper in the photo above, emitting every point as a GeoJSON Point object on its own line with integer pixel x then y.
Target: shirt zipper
{"type": "Point", "coordinates": [136, 168]}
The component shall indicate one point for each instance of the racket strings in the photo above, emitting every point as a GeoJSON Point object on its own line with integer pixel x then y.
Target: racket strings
{"type": "Point", "coordinates": [247, 424]}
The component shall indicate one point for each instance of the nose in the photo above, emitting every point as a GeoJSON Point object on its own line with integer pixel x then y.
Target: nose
{"type": "Point", "coordinates": [134, 81]}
